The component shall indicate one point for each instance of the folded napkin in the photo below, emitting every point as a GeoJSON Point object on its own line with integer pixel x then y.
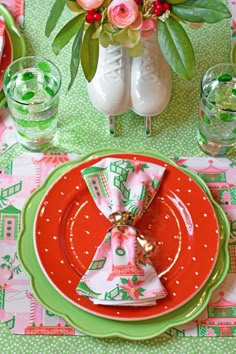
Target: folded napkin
{"type": "Point", "coordinates": [2, 36]}
{"type": "Point", "coordinates": [120, 272]}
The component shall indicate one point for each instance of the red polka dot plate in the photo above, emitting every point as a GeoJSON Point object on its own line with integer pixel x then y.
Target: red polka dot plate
{"type": "Point", "coordinates": [180, 228]}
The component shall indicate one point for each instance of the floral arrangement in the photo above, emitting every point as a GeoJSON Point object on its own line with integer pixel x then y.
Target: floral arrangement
{"type": "Point", "coordinates": [127, 23]}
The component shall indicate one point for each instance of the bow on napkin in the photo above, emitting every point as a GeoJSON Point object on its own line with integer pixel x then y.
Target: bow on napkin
{"type": "Point", "coordinates": [120, 272]}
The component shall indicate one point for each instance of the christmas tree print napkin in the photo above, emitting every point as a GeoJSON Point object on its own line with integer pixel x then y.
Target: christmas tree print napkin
{"type": "Point", "coordinates": [120, 272]}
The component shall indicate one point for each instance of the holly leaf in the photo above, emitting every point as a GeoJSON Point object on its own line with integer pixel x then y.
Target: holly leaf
{"type": "Point", "coordinates": [66, 33]}
{"type": "Point", "coordinates": [201, 11]}
{"type": "Point", "coordinates": [89, 53]}
{"type": "Point", "coordinates": [54, 16]}
{"type": "Point", "coordinates": [176, 47]}
{"type": "Point", "coordinates": [75, 57]}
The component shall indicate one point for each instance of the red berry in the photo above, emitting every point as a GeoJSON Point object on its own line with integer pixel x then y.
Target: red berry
{"type": "Point", "coordinates": [89, 18]}
{"type": "Point", "coordinates": [97, 16]}
{"type": "Point", "coordinates": [92, 12]}
{"type": "Point", "coordinates": [158, 10]}
{"type": "Point", "coordinates": [166, 6]}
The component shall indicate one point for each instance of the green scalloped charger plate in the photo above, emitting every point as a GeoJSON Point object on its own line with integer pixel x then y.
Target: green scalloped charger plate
{"type": "Point", "coordinates": [101, 327]}
{"type": "Point", "coordinates": [16, 39]}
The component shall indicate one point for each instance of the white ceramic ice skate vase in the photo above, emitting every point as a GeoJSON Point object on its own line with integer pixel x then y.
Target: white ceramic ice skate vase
{"type": "Point", "coordinates": [109, 91]}
{"type": "Point", "coordinates": [150, 80]}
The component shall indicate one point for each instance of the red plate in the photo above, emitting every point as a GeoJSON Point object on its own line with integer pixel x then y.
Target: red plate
{"type": "Point", "coordinates": [6, 56]}
{"type": "Point", "coordinates": [181, 235]}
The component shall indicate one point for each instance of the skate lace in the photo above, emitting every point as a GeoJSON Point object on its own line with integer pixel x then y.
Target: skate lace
{"type": "Point", "coordinates": [113, 62]}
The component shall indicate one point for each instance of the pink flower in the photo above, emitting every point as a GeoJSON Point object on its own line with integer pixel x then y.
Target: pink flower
{"type": "Point", "coordinates": [133, 289]}
{"type": "Point", "coordinates": [89, 4]}
{"type": "Point", "coordinates": [122, 13]}
{"type": "Point", "coordinates": [149, 27]}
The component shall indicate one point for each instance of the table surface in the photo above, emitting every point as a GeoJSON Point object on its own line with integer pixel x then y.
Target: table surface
{"type": "Point", "coordinates": [83, 129]}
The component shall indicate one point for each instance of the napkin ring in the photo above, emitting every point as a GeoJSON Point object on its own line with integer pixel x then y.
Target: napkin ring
{"type": "Point", "coordinates": [119, 218]}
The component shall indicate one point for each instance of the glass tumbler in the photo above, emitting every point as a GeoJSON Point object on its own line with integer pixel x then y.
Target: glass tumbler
{"type": "Point", "coordinates": [31, 86]}
{"type": "Point", "coordinates": [216, 134]}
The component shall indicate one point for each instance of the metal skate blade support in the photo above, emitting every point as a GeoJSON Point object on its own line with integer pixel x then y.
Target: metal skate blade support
{"type": "Point", "coordinates": [112, 125]}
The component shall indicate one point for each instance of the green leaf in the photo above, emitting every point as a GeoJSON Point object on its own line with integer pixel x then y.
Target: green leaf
{"type": "Point", "coordinates": [134, 278]}
{"type": "Point", "coordinates": [89, 53]}
{"type": "Point", "coordinates": [123, 280]}
{"type": "Point", "coordinates": [135, 51]}
{"type": "Point", "coordinates": [176, 47]}
{"type": "Point", "coordinates": [54, 16]}
{"type": "Point", "coordinates": [201, 11]}
{"type": "Point", "coordinates": [75, 57]}
{"type": "Point", "coordinates": [66, 33]}
{"type": "Point", "coordinates": [173, 2]}
{"type": "Point", "coordinates": [74, 6]}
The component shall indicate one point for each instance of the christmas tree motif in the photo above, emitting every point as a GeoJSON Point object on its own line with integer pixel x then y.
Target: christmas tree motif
{"type": "Point", "coordinates": [175, 332]}
{"type": "Point", "coordinates": [9, 191]}
{"type": "Point", "coordinates": [11, 264]}
{"type": "Point", "coordinates": [221, 319]}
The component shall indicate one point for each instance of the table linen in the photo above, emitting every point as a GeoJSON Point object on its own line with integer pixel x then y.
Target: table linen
{"type": "Point", "coordinates": [83, 129]}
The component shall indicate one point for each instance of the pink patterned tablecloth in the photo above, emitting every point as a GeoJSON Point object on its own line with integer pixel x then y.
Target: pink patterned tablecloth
{"type": "Point", "coordinates": [24, 315]}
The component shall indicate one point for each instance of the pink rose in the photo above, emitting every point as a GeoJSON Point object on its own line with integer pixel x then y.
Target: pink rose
{"type": "Point", "coordinates": [122, 13]}
{"type": "Point", "coordinates": [89, 4]}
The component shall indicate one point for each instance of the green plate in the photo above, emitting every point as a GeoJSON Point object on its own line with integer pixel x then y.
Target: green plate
{"type": "Point", "coordinates": [17, 41]}
{"type": "Point", "coordinates": [98, 326]}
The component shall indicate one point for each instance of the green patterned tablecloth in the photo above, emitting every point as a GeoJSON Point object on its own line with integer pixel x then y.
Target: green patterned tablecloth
{"type": "Point", "coordinates": [84, 129]}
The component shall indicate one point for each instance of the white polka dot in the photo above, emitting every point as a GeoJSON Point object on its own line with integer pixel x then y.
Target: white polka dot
{"type": "Point", "coordinates": [69, 281]}
{"type": "Point", "coordinates": [205, 246]}
{"type": "Point", "coordinates": [204, 198]}
{"type": "Point", "coordinates": [54, 237]}
{"type": "Point", "coordinates": [62, 193]}
{"type": "Point", "coordinates": [86, 216]}
{"type": "Point", "coordinates": [205, 215]}
{"type": "Point", "coordinates": [59, 211]}
{"type": "Point", "coordinates": [61, 261]}
{"type": "Point", "coordinates": [194, 258]}
{"type": "Point", "coordinates": [117, 312]}
{"type": "Point", "coordinates": [177, 282]}
{"type": "Point", "coordinates": [65, 177]}
{"type": "Point", "coordinates": [189, 190]}
{"type": "Point", "coordinates": [189, 247]}
{"type": "Point", "coordinates": [47, 220]}
{"type": "Point", "coordinates": [196, 273]}
{"type": "Point", "coordinates": [165, 307]}
{"type": "Point", "coordinates": [86, 252]}
{"type": "Point", "coordinates": [87, 232]}
{"type": "Point", "coordinates": [196, 287]}
{"type": "Point", "coordinates": [77, 187]}
{"type": "Point", "coordinates": [174, 294]}
{"type": "Point", "coordinates": [46, 250]}
{"type": "Point", "coordinates": [196, 225]}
